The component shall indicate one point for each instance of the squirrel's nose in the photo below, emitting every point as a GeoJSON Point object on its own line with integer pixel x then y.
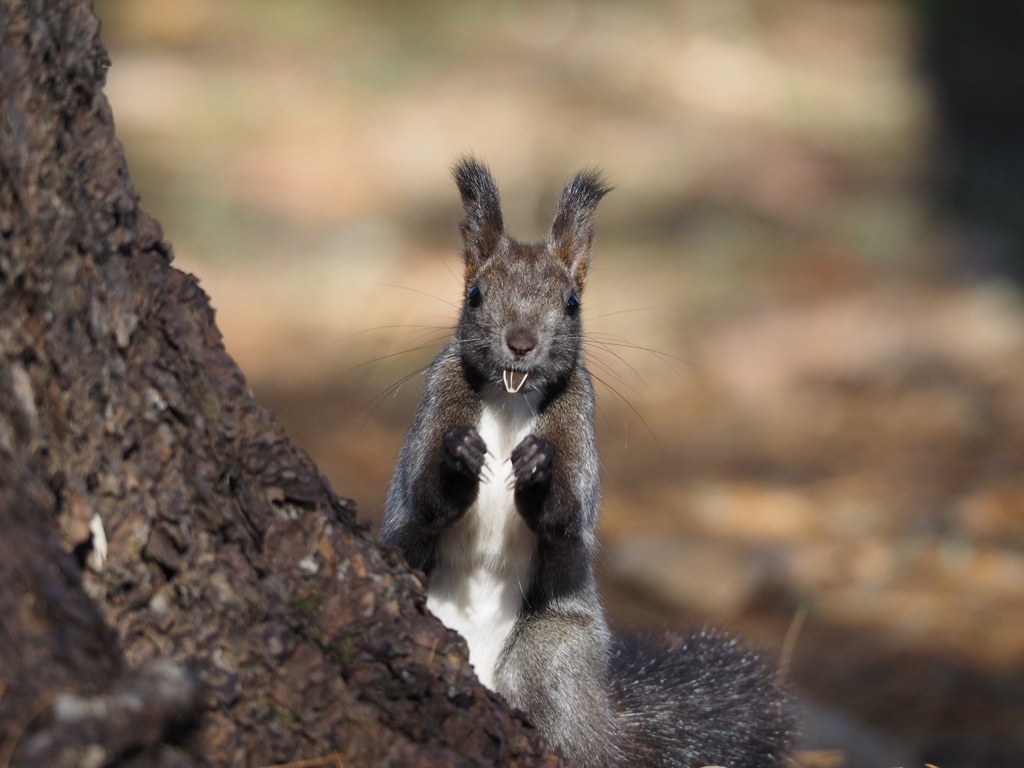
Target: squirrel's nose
{"type": "Point", "coordinates": [521, 341]}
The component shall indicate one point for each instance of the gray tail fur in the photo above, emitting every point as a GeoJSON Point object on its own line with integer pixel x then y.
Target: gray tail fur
{"type": "Point", "coordinates": [697, 701]}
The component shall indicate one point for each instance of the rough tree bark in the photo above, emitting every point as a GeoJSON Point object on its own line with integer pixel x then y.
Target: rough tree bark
{"type": "Point", "coordinates": [292, 635]}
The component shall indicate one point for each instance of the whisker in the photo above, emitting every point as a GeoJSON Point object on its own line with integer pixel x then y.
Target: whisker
{"type": "Point", "coordinates": [402, 353]}
{"type": "Point", "coordinates": [526, 601]}
{"type": "Point", "coordinates": [457, 278]}
{"type": "Point", "coordinates": [622, 312]}
{"type": "Point", "coordinates": [596, 362]}
{"type": "Point", "coordinates": [390, 391]}
{"type": "Point", "coordinates": [436, 334]}
{"type": "Point", "coordinates": [365, 331]}
{"type": "Point", "coordinates": [621, 359]}
{"type": "Point", "coordinates": [632, 408]}
{"type": "Point", "coordinates": [421, 293]}
{"type": "Point", "coordinates": [621, 342]}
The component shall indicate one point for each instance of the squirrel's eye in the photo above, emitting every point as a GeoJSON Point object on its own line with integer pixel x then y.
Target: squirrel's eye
{"type": "Point", "coordinates": [475, 297]}
{"type": "Point", "coordinates": [572, 306]}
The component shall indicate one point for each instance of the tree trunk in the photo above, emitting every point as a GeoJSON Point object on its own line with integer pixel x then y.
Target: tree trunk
{"type": "Point", "coordinates": [241, 616]}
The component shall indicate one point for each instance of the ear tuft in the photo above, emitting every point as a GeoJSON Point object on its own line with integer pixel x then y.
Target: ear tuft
{"type": "Point", "coordinates": [572, 231]}
{"type": "Point", "coordinates": [483, 226]}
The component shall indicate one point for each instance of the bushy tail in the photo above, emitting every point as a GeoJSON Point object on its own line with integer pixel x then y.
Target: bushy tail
{"type": "Point", "coordinates": [697, 701]}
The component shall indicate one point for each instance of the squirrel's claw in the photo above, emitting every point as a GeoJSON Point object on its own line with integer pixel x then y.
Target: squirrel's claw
{"type": "Point", "coordinates": [531, 461]}
{"type": "Point", "coordinates": [464, 451]}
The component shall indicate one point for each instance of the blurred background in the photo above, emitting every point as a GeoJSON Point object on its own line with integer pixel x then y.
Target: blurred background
{"type": "Point", "coordinates": [805, 306]}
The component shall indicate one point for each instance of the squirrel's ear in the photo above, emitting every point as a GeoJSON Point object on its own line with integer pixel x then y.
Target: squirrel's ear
{"type": "Point", "coordinates": [573, 229]}
{"type": "Point", "coordinates": [483, 227]}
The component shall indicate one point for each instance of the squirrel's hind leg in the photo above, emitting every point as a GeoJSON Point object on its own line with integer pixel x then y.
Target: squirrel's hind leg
{"type": "Point", "coordinates": [555, 668]}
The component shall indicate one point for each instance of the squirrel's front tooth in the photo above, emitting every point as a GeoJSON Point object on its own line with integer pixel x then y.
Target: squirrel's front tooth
{"type": "Point", "coordinates": [514, 380]}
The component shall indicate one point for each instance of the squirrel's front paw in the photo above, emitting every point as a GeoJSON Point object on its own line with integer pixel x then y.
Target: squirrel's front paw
{"type": "Point", "coordinates": [531, 462]}
{"type": "Point", "coordinates": [464, 451]}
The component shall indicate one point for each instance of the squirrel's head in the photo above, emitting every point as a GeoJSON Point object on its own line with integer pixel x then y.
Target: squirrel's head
{"type": "Point", "coordinates": [520, 322]}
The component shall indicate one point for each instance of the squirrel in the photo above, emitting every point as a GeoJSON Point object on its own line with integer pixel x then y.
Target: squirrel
{"type": "Point", "coordinates": [495, 498]}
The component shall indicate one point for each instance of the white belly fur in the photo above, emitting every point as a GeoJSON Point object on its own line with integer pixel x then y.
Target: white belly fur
{"type": "Point", "coordinates": [478, 583]}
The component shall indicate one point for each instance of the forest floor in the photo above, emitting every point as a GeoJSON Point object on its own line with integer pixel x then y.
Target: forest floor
{"type": "Point", "coordinates": [809, 428]}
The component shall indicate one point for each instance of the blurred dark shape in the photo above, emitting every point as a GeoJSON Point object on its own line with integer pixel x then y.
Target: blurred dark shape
{"type": "Point", "coordinates": [973, 52]}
